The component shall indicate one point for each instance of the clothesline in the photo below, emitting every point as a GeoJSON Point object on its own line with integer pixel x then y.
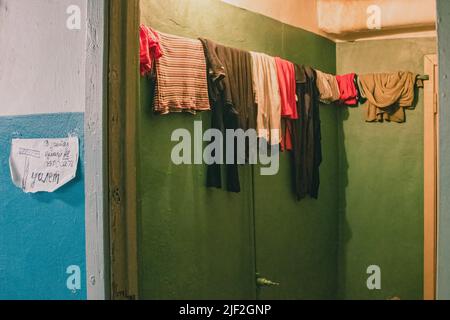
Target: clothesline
{"type": "Point", "coordinates": [423, 77]}
{"type": "Point", "coordinates": [250, 90]}
{"type": "Point", "coordinates": [349, 85]}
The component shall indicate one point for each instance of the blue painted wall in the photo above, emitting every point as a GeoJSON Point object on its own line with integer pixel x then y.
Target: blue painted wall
{"type": "Point", "coordinates": [41, 234]}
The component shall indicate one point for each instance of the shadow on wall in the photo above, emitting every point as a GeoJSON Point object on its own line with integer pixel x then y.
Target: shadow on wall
{"type": "Point", "coordinates": [345, 232]}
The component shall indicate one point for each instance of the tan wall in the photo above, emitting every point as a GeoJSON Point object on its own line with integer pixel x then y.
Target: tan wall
{"type": "Point", "coordinates": [298, 13]}
{"type": "Point", "coordinates": [338, 17]}
{"type": "Point", "coordinates": [346, 19]}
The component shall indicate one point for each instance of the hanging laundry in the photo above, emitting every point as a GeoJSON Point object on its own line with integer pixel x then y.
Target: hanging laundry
{"type": "Point", "coordinates": [347, 89]}
{"type": "Point", "coordinates": [233, 106]}
{"type": "Point", "coordinates": [216, 69]}
{"type": "Point", "coordinates": [287, 130]}
{"type": "Point", "coordinates": [388, 94]}
{"type": "Point", "coordinates": [360, 98]}
{"type": "Point", "coordinates": [267, 97]}
{"type": "Point", "coordinates": [287, 85]}
{"type": "Point", "coordinates": [328, 87]}
{"type": "Point", "coordinates": [307, 137]}
{"type": "Point", "coordinates": [150, 49]}
{"type": "Point", "coordinates": [181, 80]}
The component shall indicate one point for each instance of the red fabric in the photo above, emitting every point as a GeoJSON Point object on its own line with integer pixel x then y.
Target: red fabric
{"type": "Point", "coordinates": [347, 88]}
{"type": "Point", "coordinates": [150, 48]}
{"type": "Point", "coordinates": [287, 85]}
{"type": "Point", "coordinates": [286, 142]}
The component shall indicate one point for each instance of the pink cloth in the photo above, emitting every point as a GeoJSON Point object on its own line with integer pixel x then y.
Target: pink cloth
{"type": "Point", "coordinates": [287, 84]}
{"type": "Point", "coordinates": [347, 88]}
{"type": "Point", "coordinates": [150, 48]}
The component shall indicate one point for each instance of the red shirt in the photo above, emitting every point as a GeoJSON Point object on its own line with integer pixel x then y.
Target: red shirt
{"type": "Point", "coordinates": [150, 49]}
{"type": "Point", "coordinates": [287, 84]}
{"type": "Point", "coordinates": [347, 89]}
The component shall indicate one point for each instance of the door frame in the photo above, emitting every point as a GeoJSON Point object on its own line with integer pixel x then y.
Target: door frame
{"type": "Point", "coordinates": [96, 219]}
{"type": "Point", "coordinates": [123, 98]}
{"type": "Point", "coordinates": [431, 174]}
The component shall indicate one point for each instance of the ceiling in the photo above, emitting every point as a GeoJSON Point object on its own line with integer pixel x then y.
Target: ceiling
{"type": "Point", "coordinates": [346, 20]}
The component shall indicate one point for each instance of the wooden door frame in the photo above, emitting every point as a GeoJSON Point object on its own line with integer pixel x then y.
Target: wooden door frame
{"type": "Point", "coordinates": [431, 174]}
{"type": "Point", "coordinates": [96, 220]}
{"type": "Point", "coordinates": [123, 100]}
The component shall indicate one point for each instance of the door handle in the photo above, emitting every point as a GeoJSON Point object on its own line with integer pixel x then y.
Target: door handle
{"type": "Point", "coordinates": [263, 282]}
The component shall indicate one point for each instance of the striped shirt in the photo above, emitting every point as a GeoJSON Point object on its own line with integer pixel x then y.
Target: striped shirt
{"type": "Point", "coordinates": [181, 76]}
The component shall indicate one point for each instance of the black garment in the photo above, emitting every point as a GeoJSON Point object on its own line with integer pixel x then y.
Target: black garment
{"type": "Point", "coordinates": [230, 85]}
{"type": "Point", "coordinates": [359, 97]}
{"type": "Point", "coordinates": [307, 138]}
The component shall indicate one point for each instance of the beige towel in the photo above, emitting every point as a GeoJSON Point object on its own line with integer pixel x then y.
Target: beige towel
{"type": "Point", "coordinates": [387, 94]}
{"type": "Point", "coordinates": [181, 76]}
{"type": "Point", "coordinates": [267, 97]}
{"type": "Point", "coordinates": [328, 87]}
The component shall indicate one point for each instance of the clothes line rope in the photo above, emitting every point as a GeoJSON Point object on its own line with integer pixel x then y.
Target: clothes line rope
{"type": "Point", "coordinates": [249, 90]}
{"type": "Point", "coordinates": [349, 94]}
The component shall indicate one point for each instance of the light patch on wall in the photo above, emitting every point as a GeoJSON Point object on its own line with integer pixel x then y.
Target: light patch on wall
{"type": "Point", "coordinates": [357, 19]}
{"type": "Point", "coordinates": [298, 13]}
{"type": "Point", "coordinates": [343, 20]}
{"type": "Point", "coordinates": [42, 62]}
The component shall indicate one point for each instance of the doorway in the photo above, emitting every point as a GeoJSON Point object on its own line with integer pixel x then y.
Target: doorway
{"type": "Point", "coordinates": [215, 249]}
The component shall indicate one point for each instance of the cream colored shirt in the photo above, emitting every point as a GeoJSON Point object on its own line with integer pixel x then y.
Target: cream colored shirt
{"type": "Point", "coordinates": [267, 97]}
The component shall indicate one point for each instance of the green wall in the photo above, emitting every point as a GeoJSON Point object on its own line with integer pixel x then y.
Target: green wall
{"type": "Point", "coordinates": [381, 180]}
{"type": "Point", "coordinates": [208, 244]}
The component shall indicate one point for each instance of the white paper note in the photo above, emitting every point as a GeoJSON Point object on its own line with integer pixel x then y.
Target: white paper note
{"type": "Point", "coordinates": [43, 165]}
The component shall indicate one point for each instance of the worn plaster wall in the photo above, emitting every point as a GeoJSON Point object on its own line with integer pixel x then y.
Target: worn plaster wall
{"type": "Point", "coordinates": [381, 180]}
{"type": "Point", "coordinates": [346, 20]}
{"type": "Point", "coordinates": [42, 95]}
{"type": "Point", "coordinates": [298, 13]}
{"type": "Point", "coordinates": [201, 243]}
